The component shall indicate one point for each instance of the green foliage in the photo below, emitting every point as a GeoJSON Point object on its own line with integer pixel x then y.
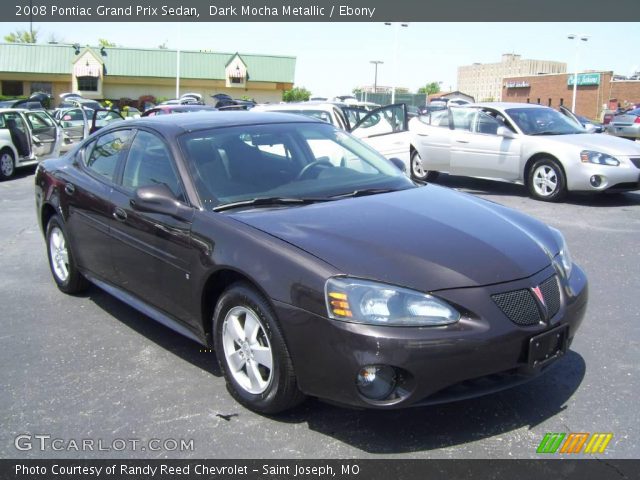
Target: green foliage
{"type": "Point", "coordinates": [103, 42]}
{"type": "Point", "coordinates": [296, 94]}
{"type": "Point", "coordinates": [430, 88]}
{"type": "Point", "coordinates": [22, 36]}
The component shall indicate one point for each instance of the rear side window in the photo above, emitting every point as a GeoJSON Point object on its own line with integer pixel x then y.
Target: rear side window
{"type": "Point", "coordinates": [149, 163]}
{"type": "Point", "coordinates": [103, 156]}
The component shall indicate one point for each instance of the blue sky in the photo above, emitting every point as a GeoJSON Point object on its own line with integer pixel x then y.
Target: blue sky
{"type": "Point", "coordinates": [332, 58]}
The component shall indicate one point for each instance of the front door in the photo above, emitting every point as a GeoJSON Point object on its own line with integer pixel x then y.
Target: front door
{"type": "Point", "coordinates": [75, 126]}
{"type": "Point", "coordinates": [385, 129]}
{"type": "Point", "coordinates": [477, 149]}
{"type": "Point", "coordinates": [45, 134]}
{"type": "Point", "coordinates": [152, 252]}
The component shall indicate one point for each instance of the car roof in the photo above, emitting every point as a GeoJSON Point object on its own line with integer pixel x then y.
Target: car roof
{"type": "Point", "coordinates": [207, 119]}
{"type": "Point", "coordinates": [503, 105]}
{"type": "Point", "coordinates": [328, 106]}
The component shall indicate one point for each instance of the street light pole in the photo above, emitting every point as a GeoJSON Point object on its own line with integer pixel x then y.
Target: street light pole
{"type": "Point", "coordinates": [375, 75]}
{"type": "Point", "coordinates": [395, 59]}
{"type": "Point", "coordinates": [583, 38]}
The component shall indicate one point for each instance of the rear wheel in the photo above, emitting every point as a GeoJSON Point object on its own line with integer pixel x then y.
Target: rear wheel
{"type": "Point", "coordinates": [546, 181]}
{"type": "Point", "coordinates": [63, 266]}
{"type": "Point", "coordinates": [252, 353]}
{"type": "Point", "coordinates": [418, 171]}
{"type": "Point", "coordinates": [7, 164]}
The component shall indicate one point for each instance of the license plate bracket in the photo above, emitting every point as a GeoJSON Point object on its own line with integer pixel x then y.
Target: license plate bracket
{"type": "Point", "coordinates": [548, 346]}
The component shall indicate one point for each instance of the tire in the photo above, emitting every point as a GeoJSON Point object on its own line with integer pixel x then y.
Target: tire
{"type": "Point", "coordinates": [546, 181]}
{"type": "Point", "coordinates": [417, 170]}
{"type": "Point", "coordinates": [7, 164]}
{"type": "Point", "coordinates": [61, 262]}
{"type": "Point", "coordinates": [252, 352]}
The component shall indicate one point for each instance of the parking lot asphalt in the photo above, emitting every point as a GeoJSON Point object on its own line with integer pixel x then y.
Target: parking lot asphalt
{"type": "Point", "coordinates": [90, 367]}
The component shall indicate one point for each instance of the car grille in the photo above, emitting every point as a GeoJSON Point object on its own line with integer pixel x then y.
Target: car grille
{"type": "Point", "coordinates": [551, 294]}
{"type": "Point", "coordinates": [521, 307]}
{"type": "Point", "coordinates": [636, 161]}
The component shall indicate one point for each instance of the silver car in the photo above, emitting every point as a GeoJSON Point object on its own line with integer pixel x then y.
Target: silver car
{"type": "Point", "coordinates": [626, 125]}
{"type": "Point", "coordinates": [548, 151]}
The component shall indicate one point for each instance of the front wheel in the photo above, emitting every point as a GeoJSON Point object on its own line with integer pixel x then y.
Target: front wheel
{"type": "Point", "coordinates": [252, 353]}
{"type": "Point", "coordinates": [418, 171]}
{"type": "Point", "coordinates": [546, 181]}
{"type": "Point", "coordinates": [7, 165]}
{"type": "Point", "coordinates": [61, 261]}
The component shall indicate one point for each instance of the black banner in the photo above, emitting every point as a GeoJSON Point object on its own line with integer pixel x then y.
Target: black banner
{"type": "Point", "coordinates": [566, 469]}
{"type": "Point", "coordinates": [316, 10]}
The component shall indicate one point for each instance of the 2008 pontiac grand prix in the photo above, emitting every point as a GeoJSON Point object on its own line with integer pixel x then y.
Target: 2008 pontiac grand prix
{"type": "Point", "coordinates": [310, 263]}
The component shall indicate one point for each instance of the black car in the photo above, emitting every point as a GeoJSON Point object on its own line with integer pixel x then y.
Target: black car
{"type": "Point", "coordinates": [310, 263]}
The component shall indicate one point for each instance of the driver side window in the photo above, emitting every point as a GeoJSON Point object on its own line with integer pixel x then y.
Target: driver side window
{"type": "Point", "coordinates": [486, 124]}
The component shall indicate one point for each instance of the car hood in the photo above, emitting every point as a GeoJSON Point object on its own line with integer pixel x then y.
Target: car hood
{"type": "Point", "coordinates": [594, 141]}
{"type": "Point", "coordinates": [428, 238]}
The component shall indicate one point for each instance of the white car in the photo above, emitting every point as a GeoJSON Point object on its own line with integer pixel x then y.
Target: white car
{"type": "Point", "coordinates": [384, 128]}
{"type": "Point", "coordinates": [26, 138]}
{"type": "Point", "coordinates": [548, 151]}
{"type": "Point", "coordinates": [78, 123]}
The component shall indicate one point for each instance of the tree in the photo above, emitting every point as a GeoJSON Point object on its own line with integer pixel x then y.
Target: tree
{"type": "Point", "coordinates": [22, 36]}
{"type": "Point", "coordinates": [103, 42]}
{"type": "Point", "coordinates": [430, 88]}
{"type": "Point", "coordinates": [296, 94]}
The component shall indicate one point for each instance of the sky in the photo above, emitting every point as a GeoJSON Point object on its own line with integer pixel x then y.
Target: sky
{"type": "Point", "coordinates": [333, 58]}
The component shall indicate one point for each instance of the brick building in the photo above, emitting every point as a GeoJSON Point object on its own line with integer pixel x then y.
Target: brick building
{"type": "Point", "coordinates": [597, 91]}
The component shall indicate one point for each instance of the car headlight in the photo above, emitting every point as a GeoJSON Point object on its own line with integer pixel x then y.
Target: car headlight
{"type": "Point", "coordinates": [564, 256]}
{"type": "Point", "coordinates": [362, 301]}
{"type": "Point", "coordinates": [599, 158]}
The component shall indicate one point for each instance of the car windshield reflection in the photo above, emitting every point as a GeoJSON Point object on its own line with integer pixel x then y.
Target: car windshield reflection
{"type": "Point", "coordinates": [309, 162]}
{"type": "Point", "coordinates": [543, 121]}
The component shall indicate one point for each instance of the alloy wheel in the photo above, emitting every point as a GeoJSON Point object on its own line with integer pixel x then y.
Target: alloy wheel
{"type": "Point", "coordinates": [6, 165]}
{"type": "Point", "coordinates": [545, 180]}
{"type": "Point", "coordinates": [247, 350]}
{"type": "Point", "coordinates": [59, 254]}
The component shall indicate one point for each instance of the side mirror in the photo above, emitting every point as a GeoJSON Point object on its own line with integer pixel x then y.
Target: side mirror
{"type": "Point", "coordinates": [590, 128]}
{"type": "Point", "coordinates": [505, 132]}
{"type": "Point", "coordinates": [399, 163]}
{"type": "Point", "coordinates": [160, 199]}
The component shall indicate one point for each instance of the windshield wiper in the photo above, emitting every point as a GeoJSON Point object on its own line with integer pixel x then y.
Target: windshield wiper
{"type": "Point", "coordinates": [268, 201]}
{"type": "Point", "coordinates": [548, 132]}
{"type": "Point", "coordinates": [364, 192]}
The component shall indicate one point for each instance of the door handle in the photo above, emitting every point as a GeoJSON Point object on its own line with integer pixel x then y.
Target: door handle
{"type": "Point", "coordinates": [462, 141]}
{"type": "Point", "coordinates": [423, 134]}
{"type": "Point", "coordinates": [119, 214]}
{"type": "Point", "coordinates": [70, 188]}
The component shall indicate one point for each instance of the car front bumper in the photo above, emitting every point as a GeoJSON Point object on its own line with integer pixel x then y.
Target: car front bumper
{"type": "Point", "coordinates": [433, 362]}
{"type": "Point", "coordinates": [624, 177]}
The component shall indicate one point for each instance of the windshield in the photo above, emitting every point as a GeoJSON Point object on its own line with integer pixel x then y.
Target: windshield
{"type": "Point", "coordinates": [543, 121]}
{"type": "Point", "coordinates": [285, 160]}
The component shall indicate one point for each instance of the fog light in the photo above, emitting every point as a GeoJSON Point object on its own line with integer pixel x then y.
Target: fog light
{"type": "Point", "coordinates": [595, 180]}
{"type": "Point", "coordinates": [376, 381]}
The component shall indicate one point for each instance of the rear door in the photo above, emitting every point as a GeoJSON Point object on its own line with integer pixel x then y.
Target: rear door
{"type": "Point", "coordinates": [46, 135]}
{"type": "Point", "coordinates": [433, 136]}
{"type": "Point", "coordinates": [87, 193]}
{"type": "Point", "coordinates": [386, 130]}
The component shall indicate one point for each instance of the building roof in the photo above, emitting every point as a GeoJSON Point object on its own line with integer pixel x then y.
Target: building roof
{"type": "Point", "coordinates": [140, 62]}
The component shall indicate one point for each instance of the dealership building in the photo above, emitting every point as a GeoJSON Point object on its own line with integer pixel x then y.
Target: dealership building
{"type": "Point", "coordinates": [114, 72]}
{"type": "Point", "coordinates": [597, 91]}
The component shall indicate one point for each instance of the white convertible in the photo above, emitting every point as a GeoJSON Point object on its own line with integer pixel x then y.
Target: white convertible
{"type": "Point", "coordinates": [548, 151]}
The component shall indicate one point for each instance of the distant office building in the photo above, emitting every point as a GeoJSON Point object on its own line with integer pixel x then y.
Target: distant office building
{"type": "Point", "coordinates": [484, 80]}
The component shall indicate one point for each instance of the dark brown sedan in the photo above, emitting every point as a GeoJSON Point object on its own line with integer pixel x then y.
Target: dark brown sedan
{"type": "Point", "coordinates": [308, 261]}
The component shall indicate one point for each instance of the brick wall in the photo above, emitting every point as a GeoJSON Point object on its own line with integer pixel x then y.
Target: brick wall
{"type": "Point", "coordinates": [545, 89]}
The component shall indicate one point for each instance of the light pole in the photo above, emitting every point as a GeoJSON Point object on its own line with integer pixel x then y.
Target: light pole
{"type": "Point", "coordinates": [395, 59]}
{"type": "Point", "coordinates": [583, 38]}
{"type": "Point", "coordinates": [375, 75]}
